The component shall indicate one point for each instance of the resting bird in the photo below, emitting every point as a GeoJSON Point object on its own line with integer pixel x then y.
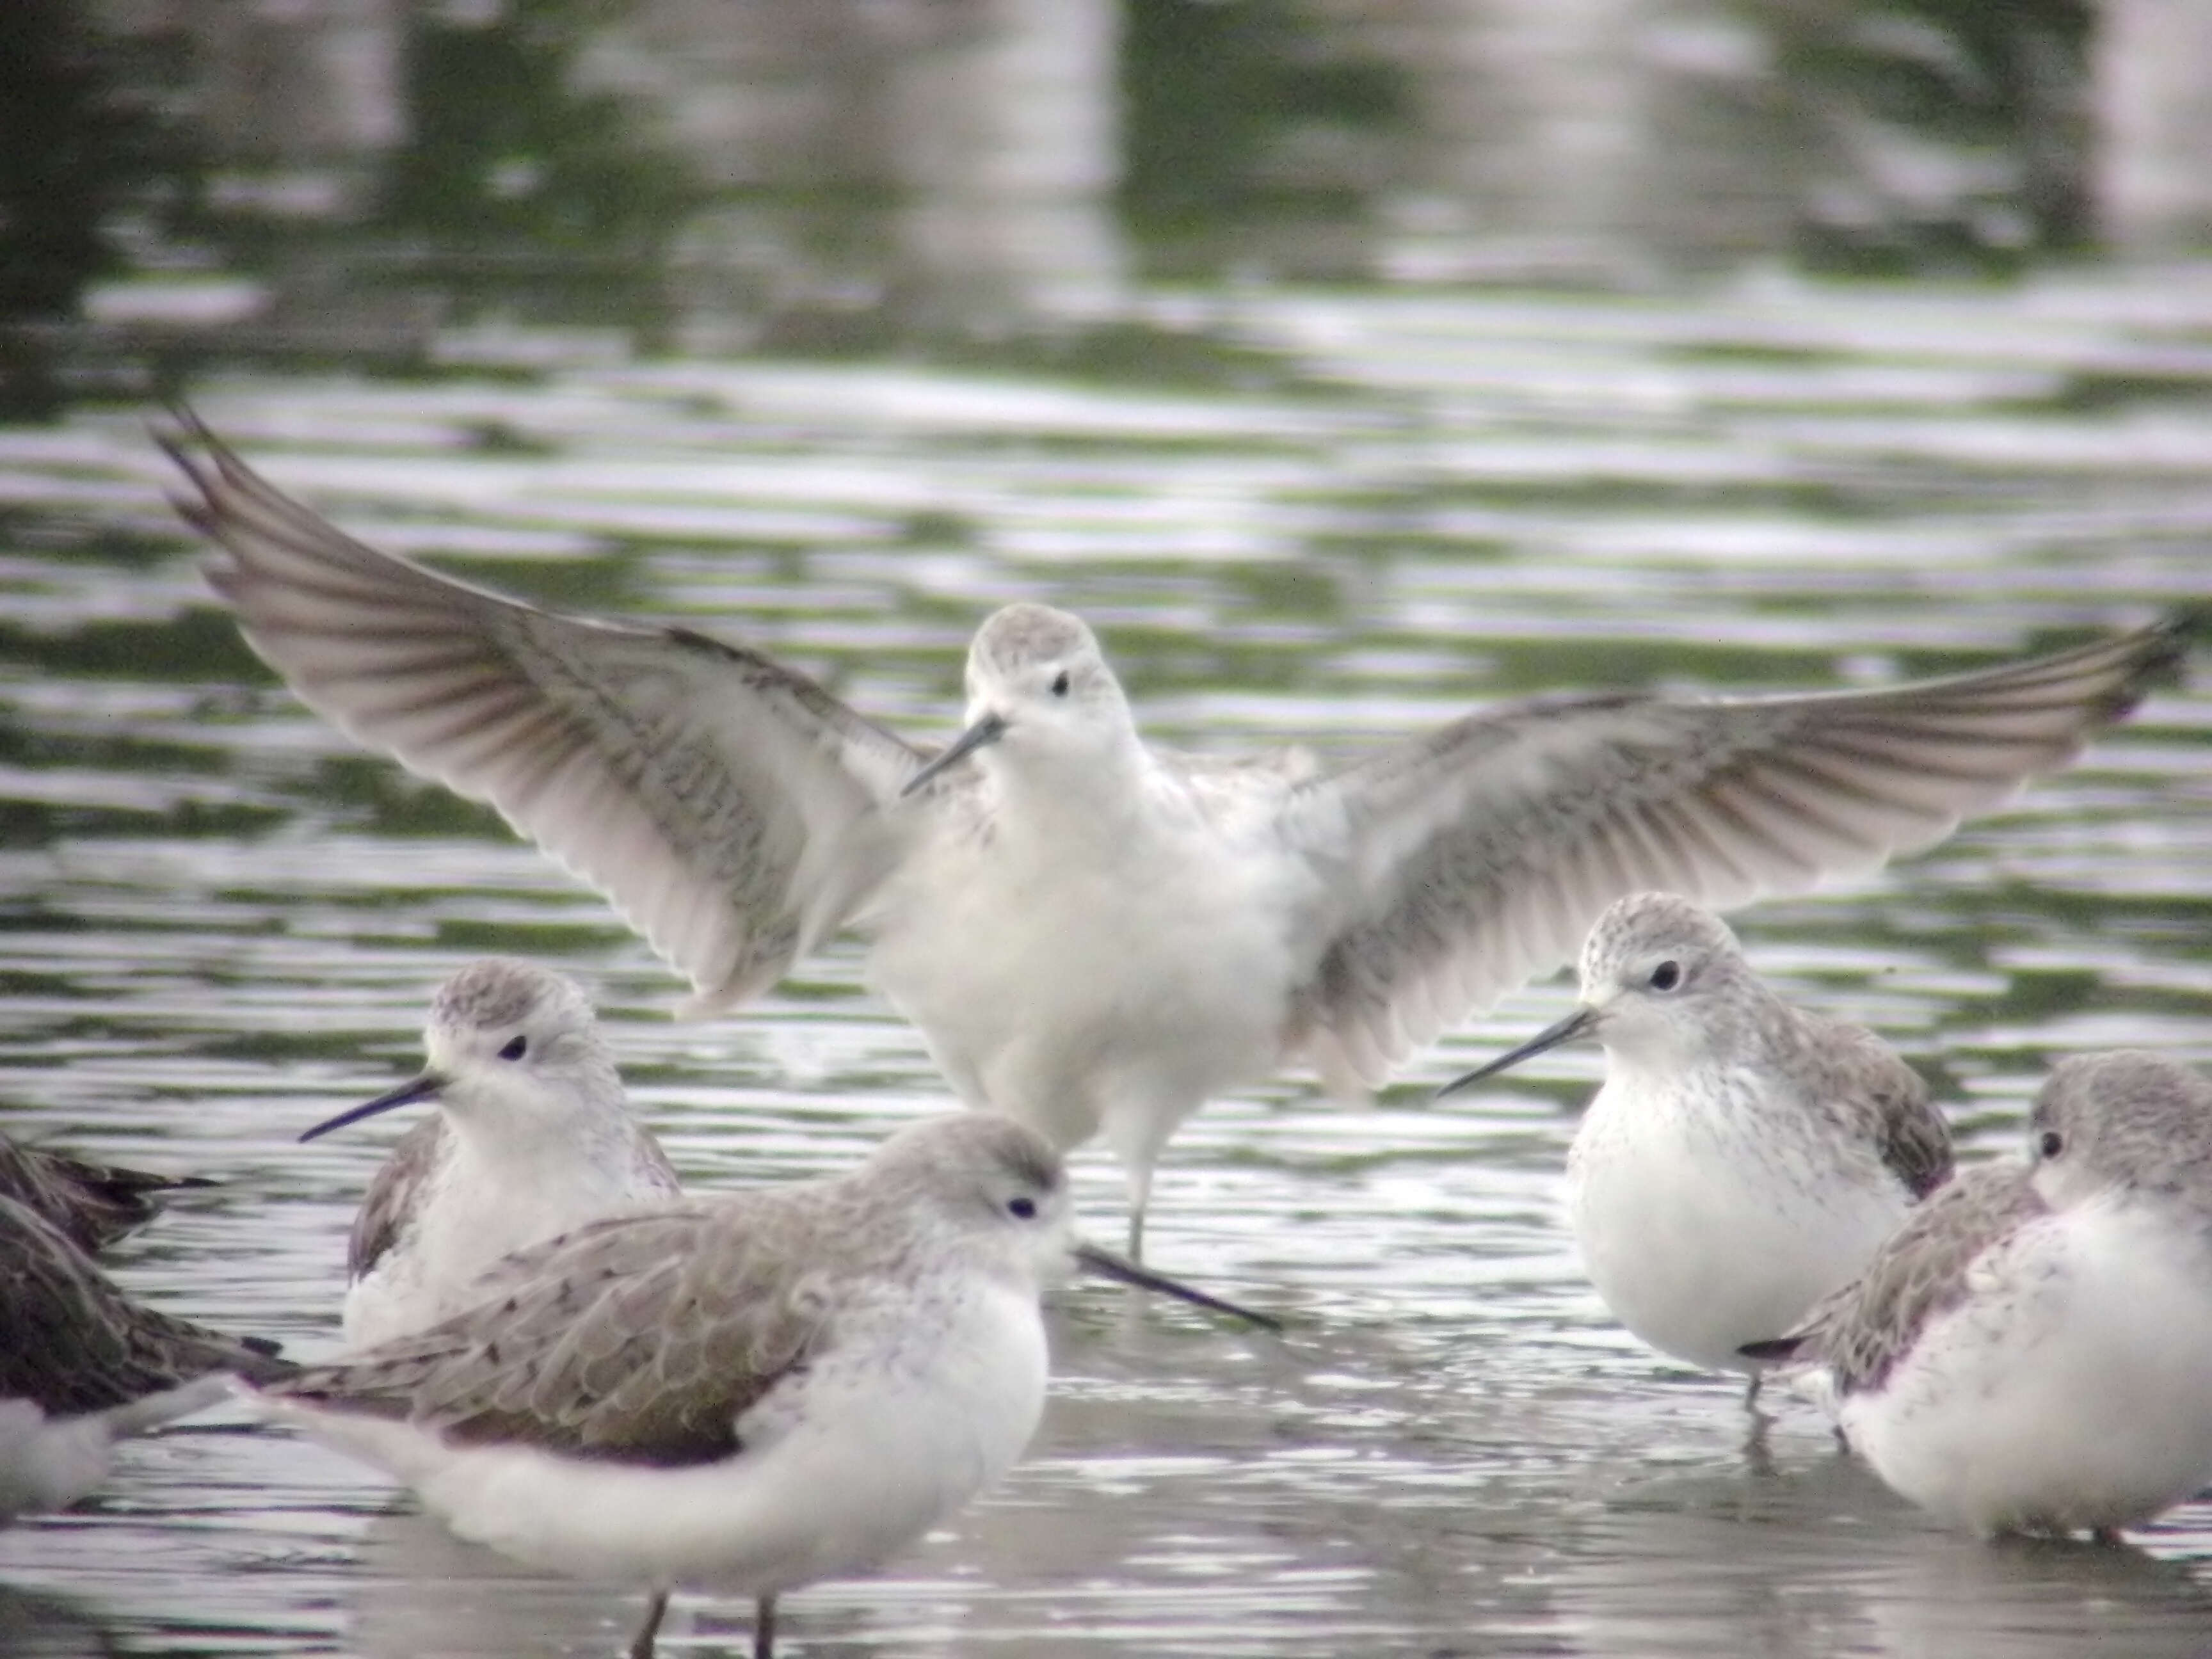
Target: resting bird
{"type": "Point", "coordinates": [532, 1135]}
{"type": "Point", "coordinates": [747, 1394]}
{"type": "Point", "coordinates": [2030, 1351]}
{"type": "Point", "coordinates": [1745, 1157]}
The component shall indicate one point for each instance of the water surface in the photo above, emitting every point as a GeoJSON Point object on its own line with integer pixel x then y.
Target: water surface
{"type": "Point", "coordinates": [219, 922]}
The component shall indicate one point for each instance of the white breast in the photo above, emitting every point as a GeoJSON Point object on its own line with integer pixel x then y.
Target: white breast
{"type": "Point", "coordinates": [2073, 1389]}
{"type": "Point", "coordinates": [842, 1466]}
{"type": "Point", "coordinates": [472, 1213]}
{"type": "Point", "coordinates": [1068, 979]}
{"type": "Point", "coordinates": [1706, 1222]}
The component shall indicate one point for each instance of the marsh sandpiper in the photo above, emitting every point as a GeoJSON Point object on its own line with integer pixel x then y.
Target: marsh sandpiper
{"type": "Point", "coordinates": [1744, 1157]}
{"type": "Point", "coordinates": [533, 1134]}
{"type": "Point", "coordinates": [1093, 933]}
{"type": "Point", "coordinates": [749, 1394]}
{"type": "Point", "coordinates": [2030, 1351]}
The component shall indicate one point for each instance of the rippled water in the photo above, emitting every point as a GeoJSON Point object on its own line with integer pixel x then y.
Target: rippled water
{"type": "Point", "coordinates": [218, 923]}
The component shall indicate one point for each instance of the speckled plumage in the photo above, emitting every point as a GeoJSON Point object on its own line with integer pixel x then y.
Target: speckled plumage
{"type": "Point", "coordinates": [601, 1345]}
{"type": "Point", "coordinates": [644, 1338]}
{"type": "Point", "coordinates": [751, 1392]}
{"type": "Point", "coordinates": [2131, 1123]}
{"type": "Point", "coordinates": [2029, 1353]}
{"type": "Point", "coordinates": [1017, 636]}
{"type": "Point", "coordinates": [1857, 1087]}
{"type": "Point", "coordinates": [498, 991]}
{"type": "Point", "coordinates": [1228, 922]}
{"type": "Point", "coordinates": [1860, 1331]}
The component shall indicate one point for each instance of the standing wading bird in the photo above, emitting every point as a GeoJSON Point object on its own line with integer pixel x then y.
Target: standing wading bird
{"type": "Point", "coordinates": [1745, 1157]}
{"type": "Point", "coordinates": [749, 1394]}
{"type": "Point", "coordinates": [2032, 1351]}
{"type": "Point", "coordinates": [532, 1135]}
{"type": "Point", "coordinates": [81, 1366]}
{"type": "Point", "coordinates": [1091, 932]}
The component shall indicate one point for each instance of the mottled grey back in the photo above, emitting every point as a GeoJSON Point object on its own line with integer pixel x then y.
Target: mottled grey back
{"type": "Point", "coordinates": [642, 1339]}
{"type": "Point", "coordinates": [639, 1339]}
{"type": "Point", "coordinates": [1869, 1088]}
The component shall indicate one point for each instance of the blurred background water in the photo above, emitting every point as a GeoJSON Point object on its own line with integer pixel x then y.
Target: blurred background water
{"type": "Point", "coordinates": [1348, 366]}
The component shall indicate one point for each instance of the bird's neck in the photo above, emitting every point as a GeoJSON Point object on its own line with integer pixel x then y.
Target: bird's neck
{"type": "Point", "coordinates": [1100, 796]}
{"type": "Point", "coordinates": [554, 1145]}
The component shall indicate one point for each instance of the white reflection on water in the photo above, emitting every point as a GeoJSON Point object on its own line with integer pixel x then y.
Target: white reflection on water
{"type": "Point", "coordinates": [217, 923]}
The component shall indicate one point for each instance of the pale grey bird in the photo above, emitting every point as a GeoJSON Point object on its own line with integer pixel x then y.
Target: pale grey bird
{"type": "Point", "coordinates": [533, 1135]}
{"type": "Point", "coordinates": [82, 1365]}
{"type": "Point", "coordinates": [748, 1395]}
{"type": "Point", "coordinates": [1093, 933]}
{"type": "Point", "coordinates": [2032, 1350]}
{"type": "Point", "coordinates": [1744, 1157]}
{"type": "Point", "coordinates": [92, 1204]}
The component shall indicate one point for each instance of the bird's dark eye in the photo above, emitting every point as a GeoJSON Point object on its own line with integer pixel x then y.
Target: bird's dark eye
{"type": "Point", "coordinates": [515, 1048]}
{"type": "Point", "coordinates": [2052, 1143]}
{"type": "Point", "coordinates": [1022, 1208]}
{"type": "Point", "coordinates": [1667, 975]}
{"type": "Point", "coordinates": [1059, 684]}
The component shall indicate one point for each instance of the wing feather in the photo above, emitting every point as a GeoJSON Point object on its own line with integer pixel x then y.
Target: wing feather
{"type": "Point", "coordinates": [731, 810]}
{"type": "Point", "coordinates": [642, 1339]}
{"type": "Point", "coordinates": [1861, 1332]}
{"type": "Point", "coordinates": [92, 1204]}
{"type": "Point", "coordinates": [1456, 864]}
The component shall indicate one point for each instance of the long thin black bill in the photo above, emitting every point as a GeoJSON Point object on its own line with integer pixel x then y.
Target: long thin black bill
{"type": "Point", "coordinates": [406, 1094]}
{"type": "Point", "coordinates": [988, 730]}
{"type": "Point", "coordinates": [1551, 1036]}
{"type": "Point", "coordinates": [1774, 1351]}
{"type": "Point", "coordinates": [1106, 1265]}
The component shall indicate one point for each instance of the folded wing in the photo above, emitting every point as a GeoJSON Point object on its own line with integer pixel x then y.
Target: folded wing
{"type": "Point", "coordinates": [638, 1340]}
{"type": "Point", "coordinates": [1861, 1332]}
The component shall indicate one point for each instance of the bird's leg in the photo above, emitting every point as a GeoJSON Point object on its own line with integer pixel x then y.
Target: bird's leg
{"type": "Point", "coordinates": [1755, 1450]}
{"type": "Point", "coordinates": [641, 1645]}
{"type": "Point", "coordinates": [764, 1628]}
{"type": "Point", "coordinates": [1140, 1194]}
{"type": "Point", "coordinates": [1758, 1456]}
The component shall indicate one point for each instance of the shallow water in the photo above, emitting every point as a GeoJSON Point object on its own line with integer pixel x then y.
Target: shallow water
{"type": "Point", "coordinates": [219, 922]}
